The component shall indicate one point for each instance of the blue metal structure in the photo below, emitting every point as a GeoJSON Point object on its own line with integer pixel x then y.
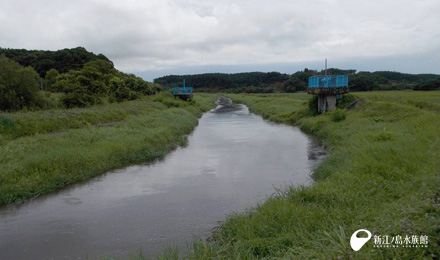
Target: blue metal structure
{"type": "Point", "coordinates": [331, 81]}
{"type": "Point", "coordinates": [183, 92]}
{"type": "Point", "coordinates": [328, 88]}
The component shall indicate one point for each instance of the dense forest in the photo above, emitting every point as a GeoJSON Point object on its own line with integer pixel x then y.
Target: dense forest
{"type": "Point", "coordinates": [238, 82]}
{"type": "Point", "coordinates": [61, 60]}
{"type": "Point", "coordinates": [259, 82]}
{"type": "Point", "coordinates": [66, 78]}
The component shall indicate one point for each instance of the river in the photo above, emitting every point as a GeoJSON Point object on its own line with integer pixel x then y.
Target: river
{"type": "Point", "coordinates": [234, 160]}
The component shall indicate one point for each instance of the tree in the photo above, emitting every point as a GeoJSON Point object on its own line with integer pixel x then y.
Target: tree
{"type": "Point", "coordinates": [120, 91]}
{"type": "Point", "coordinates": [50, 79]}
{"type": "Point", "coordinates": [18, 86]}
{"type": "Point", "coordinates": [304, 76]}
{"type": "Point", "coordinates": [61, 60]}
{"type": "Point", "coordinates": [294, 84]}
{"type": "Point", "coordinates": [85, 78]}
{"type": "Point", "coordinates": [362, 82]}
{"type": "Point", "coordinates": [433, 84]}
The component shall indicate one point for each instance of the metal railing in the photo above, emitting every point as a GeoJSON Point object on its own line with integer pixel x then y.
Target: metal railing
{"type": "Point", "coordinates": [177, 91]}
{"type": "Point", "coordinates": [330, 81]}
{"type": "Point", "coordinates": [182, 91]}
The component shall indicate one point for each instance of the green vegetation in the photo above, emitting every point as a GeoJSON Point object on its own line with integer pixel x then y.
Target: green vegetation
{"type": "Point", "coordinates": [433, 84]}
{"type": "Point", "coordinates": [86, 83]}
{"type": "Point", "coordinates": [338, 115]}
{"type": "Point", "coordinates": [346, 100]}
{"type": "Point", "coordinates": [18, 85]}
{"type": "Point", "coordinates": [382, 175]}
{"type": "Point", "coordinates": [250, 82]}
{"type": "Point", "coordinates": [274, 82]}
{"type": "Point", "coordinates": [97, 82]}
{"type": "Point", "coordinates": [47, 150]}
{"type": "Point", "coordinates": [62, 60]}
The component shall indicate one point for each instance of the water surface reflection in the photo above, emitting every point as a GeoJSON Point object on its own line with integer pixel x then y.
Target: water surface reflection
{"type": "Point", "coordinates": [234, 159]}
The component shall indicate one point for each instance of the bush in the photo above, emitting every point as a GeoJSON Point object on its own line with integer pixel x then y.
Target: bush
{"type": "Point", "coordinates": [7, 124]}
{"type": "Point", "coordinates": [383, 136]}
{"type": "Point", "coordinates": [77, 99]}
{"type": "Point", "coordinates": [338, 115]}
{"type": "Point", "coordinates": [313, 105]}
{"type": "Point", "coordinates": [346, 100]}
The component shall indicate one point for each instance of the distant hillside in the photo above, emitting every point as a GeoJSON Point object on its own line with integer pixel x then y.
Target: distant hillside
{"type": "Point", "coordinates": [237, 82]}
{"type": "Point", "coordinates": [61, 60]}
{"type": "Point", "coordinates": [414, 78]}
{"type": "Point", "coordinates": [260, 82]}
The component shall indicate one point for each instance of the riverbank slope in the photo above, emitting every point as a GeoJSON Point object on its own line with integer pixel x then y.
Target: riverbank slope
{"type": "Point", "coordinates": [382, 175]}
{"type": "Point", "coordinates": [47, 150]}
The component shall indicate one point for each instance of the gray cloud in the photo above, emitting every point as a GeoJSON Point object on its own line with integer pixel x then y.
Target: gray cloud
{"type": "Point", "coordinates": [172, 35]}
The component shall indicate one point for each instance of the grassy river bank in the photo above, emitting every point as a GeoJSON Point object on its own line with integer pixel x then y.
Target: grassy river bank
{"type": "Point", "coordinates": [43, 151]}
{"type": "Point", "coordinates": [382, 175]}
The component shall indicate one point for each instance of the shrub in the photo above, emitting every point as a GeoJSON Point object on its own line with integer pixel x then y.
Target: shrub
{"type": "Point", "coordinates": [7, 124]}
{"type": "Point", "coordinates": [77, 99]}
{"type": "Point", "coordinates": [338, 115]}
{"type": "Point", "coordinates": [346, 100]}
{"type": "Point", "coordinates": [383, 136]}
{"type": "Point", "coordinates": [313, 105]}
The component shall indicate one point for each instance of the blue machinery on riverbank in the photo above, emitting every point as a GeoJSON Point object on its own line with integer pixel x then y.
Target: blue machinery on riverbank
{"type": "Point", "coordinates": [328, 88]}
{"type": "Point", "coordinates": [183, 92]}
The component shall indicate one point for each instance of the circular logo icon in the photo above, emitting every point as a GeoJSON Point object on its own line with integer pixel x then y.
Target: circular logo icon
{"type": "Point", "coordinates": [358, 242]}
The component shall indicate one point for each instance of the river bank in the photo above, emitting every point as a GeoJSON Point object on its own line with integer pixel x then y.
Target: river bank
{"type": "Point", "coordinates": [381, 175]}
{"type": "Point", "coordinates": [47, 150]}
{"type": "Point", "coordinates": [223, 168]}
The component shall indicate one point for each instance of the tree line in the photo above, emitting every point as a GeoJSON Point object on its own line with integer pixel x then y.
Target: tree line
{"type": "Point", "coordinates": [61, 60]}
{"type": "Point", "coordinates": [81, 80]}
{"type": "Point", "coordinates": [237, 82]}
{"type": "Point", "coordinates": [260, 82]}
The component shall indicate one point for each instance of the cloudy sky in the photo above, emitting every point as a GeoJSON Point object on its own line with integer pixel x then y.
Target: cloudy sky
{"type": "Point", "coordinates": [152, 38]}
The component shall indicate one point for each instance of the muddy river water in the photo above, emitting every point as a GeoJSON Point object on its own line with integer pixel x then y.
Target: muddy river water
{"type": "Point", "coordinates": [234, 160]}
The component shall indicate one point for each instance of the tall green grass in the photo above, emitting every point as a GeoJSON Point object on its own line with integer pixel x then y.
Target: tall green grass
{"type": "Point", "coordinates": [19, 124]}
{"type": "Point", "coordinates": [35, 161]}
{"type": "Point", "coordinates": [382, 175]}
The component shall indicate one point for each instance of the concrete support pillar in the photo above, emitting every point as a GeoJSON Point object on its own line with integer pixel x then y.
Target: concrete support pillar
{"type": "Point", "coordinates": [321, 104]}
{"type": "Point", "coordinates": [326, 103]}
{"type": "Point", "coordinates": [331, 103]}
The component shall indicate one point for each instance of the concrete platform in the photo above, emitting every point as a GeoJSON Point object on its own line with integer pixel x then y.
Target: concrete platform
{"type": "Point", "coordinates": [327, 91]}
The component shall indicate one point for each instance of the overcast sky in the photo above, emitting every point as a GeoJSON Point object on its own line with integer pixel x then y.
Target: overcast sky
{"type": "Point", "coordinates": [152, 38]}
